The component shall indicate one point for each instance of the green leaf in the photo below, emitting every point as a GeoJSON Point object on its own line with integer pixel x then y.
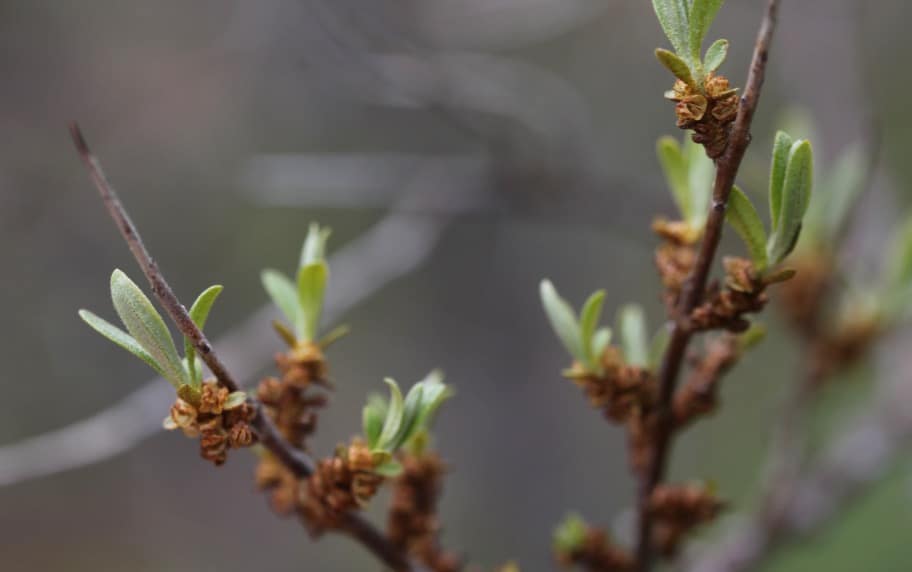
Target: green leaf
{"type": "Point", "coordinates": [701, 173]}
{"type": "Point", "coordinates": [314, 249]}
{"type": "Point", "coordinates": [389, 469]}
{"type": "Point", "coordinates": [743, 217]}
{"type": "Point", "coordinates": [570, 534]}
{"type": "Point", "coordinates": [600, 342]}
{"type": "Point", "coordinates": [836, 196]}
{"type": "Point", "coordinates": [563, 320]}
{"type": "Point", "coordinates": [675, 167]}
{"type": "Point", "coordinates": [119, 337]}
{"type": "Point", "coordinates": [146, 326]}
{"type": "Point", "coordinates": [372, 418]}
{"type": "Point", "coordinates": [312, 281]}
{"type": "Point", "coordinates": [589, 319]}
{"type": "Point", "coordinates": [434, 393]}
{"type": "Point", "coordinates": [702, 15]}
{"type": "Point", "coordinates": [675, 65]}
{"type": "Point", "coordinates": [673, 17]}
{"type": "Point", "coordinates": [410, 413]}
{"type": "Point", "coordinates": [394, 413]}
{"type": "Point", "coordinates": [285, 296]}
{"type": "Point", "coordinates": [796, 195]}
{"type": "Point", "coordinates": [199, 313]}
{"type": "Point", "coordinates": [899, 262]}
{"type": "Point", "coordinates": [632, 325]}
{"type": "Point", "coordinates": [235, 399]}
{"type": "Point", "coordinates": [715, 56]}
{"type": "Point", "coordinates": [781, 148]}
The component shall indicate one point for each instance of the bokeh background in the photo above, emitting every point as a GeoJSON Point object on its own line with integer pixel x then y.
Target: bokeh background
{"type": "Point", "coordinates": [499, 141]}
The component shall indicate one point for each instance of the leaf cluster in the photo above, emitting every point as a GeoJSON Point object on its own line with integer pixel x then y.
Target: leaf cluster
{"type": "Point", "coordinates": [689, 173]}
{"type": "Point", "coordinates": [391, 424]}
{"type": "Point", "coordinates": [686, 23]}
{"type": "Point", "coordinates": [791, 182]}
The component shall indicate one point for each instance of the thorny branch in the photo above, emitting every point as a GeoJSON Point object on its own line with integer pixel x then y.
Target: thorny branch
{"type": "Point", "coordinates": [296, 461]}
{"type": "Point", "coordinates": [727, 167]}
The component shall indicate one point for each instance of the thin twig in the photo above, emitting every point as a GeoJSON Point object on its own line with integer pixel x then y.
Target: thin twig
{"type": "Point", "coordinates": [727, 168]}
{"type": "Point", "coordinates": [293, 459]}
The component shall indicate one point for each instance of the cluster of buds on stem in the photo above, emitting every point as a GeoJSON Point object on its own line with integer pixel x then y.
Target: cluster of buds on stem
{"type": "Point", "coordinates": [707, 110]}
{"type": "Point", "coordinates": [220, 419]}
{"type": "Point", "coordinates": [576, 544]}
{"type": "Point", "coordinates": [677, 510]}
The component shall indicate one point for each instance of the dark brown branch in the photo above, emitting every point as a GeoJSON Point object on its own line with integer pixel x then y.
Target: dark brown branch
{"type": "Point", "coordinates": [727, 167]}
{"type": "Point", "coordinates": [295, 460]}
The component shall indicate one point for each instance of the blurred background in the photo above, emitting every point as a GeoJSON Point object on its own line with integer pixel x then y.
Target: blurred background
{"type": "Point", "coordinates": [461, 150]}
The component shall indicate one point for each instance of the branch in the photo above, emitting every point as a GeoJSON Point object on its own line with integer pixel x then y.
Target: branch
{"type": "Point", "coordinates": [727, 167]}
{"type": "Point", "coordinates": [298, 462]}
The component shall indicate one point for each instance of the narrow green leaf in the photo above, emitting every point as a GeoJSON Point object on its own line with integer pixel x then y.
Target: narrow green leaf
{"type": "Point", "coordinates": [700, 176]}
{"type": "Point", "coordinates": [119, 337]}
{"type": "Point", "coordinates": [898, 271]}
{"type": "Point", "coordinates": [600, 342]}
{"type": "Point", "coordinates": [334, 335]}
{"type": "Point", "coordinates": [589, 319]}
{"type": "Point", "coordinates": [835, 197]}
{"type": "Point", "coordinates": [434, 393]}
{"type": "Point", "coordinates": [372, 418]}
{"type": "Point", "coordinates": [410, 412]}
{"type": "Point", "coordinates": [235, 399]}
{"type": "Point", "coordinates": [781, 148]}
{"type": "Point", "coordinates": [672, 15]}
{"type": "Point", "coordinates": [702, 15]}
{"type": "Point", "coordinates": [284, 295]}
{"type": "Point", "coordinates": [715, 56]}
{"type": "Point", "coordinates": [675, 65]}
{"type": "Point", "coordinates": [743, 217]}
{"type": "Point", "coordinates": [570, 534]}
{"type": "Point", "coordinates": [312, 281]}
{"type": "Point", "coordinates": [675, 168]}
{"type": "Point", "coordinates": [394, 412]}
{"type": "Point", "coordinates": [632, 325]}
{"type": "Point", "coordinates": [146, 326]}
{"type": "Point", "coordinates": [199, 313]}
{"type": "Point", "coordinates": [314, 249]}
{"type": "Point", "coordinates": [796, 195]}
{"type": "Point", "coordinates": [563, 320]}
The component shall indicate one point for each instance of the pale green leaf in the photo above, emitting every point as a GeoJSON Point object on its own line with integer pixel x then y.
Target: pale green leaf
{"type": "Point", "coordinates": [743, 217]}
{"type": "Point", "coordinates": [434, 393]}
{"type": "Point", "coordinates": [600, 342]}
{"type": "Point", "coordinates": [589, 319]}
{"type": "Point", "coordinates": [563, 320]}
{"type": "Point", "coordinates": [410, 412]}
{"type": "Point", "coordinates": [285, 296]}
{"type": "Point", "coordinates": [146, 326]}
{"type": "Point", "coordinates": [314, 249]}
{"type": "Point", "coordinates": [835, 197]}
{"type": "Point", "coordinates": [394, 413]}
{"type": "Point", "coordinates": [701, 174]}
{"type": "Point", "coordinates": [675, 65]}
{"type": "Point", "coordinates": [715, 56]}
{"type": "Point", "coordinates": [312, 281]}
{"type": "Point", "coordinates": [675, 167]}
{"type": "Point", "coordinates": [796, 195]}
{"type": "Point", "coordinates": [898, 273]}
{"type": "Point", "coordinates": [657, 348]}
{"type": "Point", "coordinates": [235, 399]}
{"type": "Point", "coordinates": [632, 326]}
{"type": "Point", "coordinates": [199, 313]}
{"type": "Point", "coordinates": [119, 337]}
{"type": "Point", "coordinates": [702, 15]}
{"type": "Point", "coordinates": [390, 469]}
{"type": "Point", "coordinates": [781, 148]}
{"type": "Point", "coordinates": [672, 15]}
{"type": "Point", "coordinates": [570, 534]}
{"type": "Point", "coordinates": [372, 417]}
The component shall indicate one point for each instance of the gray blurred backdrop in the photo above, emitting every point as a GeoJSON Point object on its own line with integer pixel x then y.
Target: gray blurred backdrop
{"type": "Point", "coordinates": [511, 139]}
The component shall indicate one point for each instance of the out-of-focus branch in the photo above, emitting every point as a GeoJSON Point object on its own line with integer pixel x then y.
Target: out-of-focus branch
{"type": "Point", "coordinates": [857, 459]}
{"type": "Point", "coordinates": [391, 249]}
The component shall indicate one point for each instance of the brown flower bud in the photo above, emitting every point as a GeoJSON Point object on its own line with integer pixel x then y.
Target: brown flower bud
{"type": "Point", "coordinates": [213, 398]}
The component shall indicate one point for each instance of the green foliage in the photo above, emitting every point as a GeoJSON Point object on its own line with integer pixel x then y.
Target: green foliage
{"type": "Point", "coordinates": [301, 301]}
{"type": "Point", "coordinates": [686, 24]}
{"type": "Point", "coordinates": [689, 173]}
{"type": "Point", "coordinates": [791, 182]}
{"type": "Point", "coordinates": [390, 424]}
{"type": "Point", "coordinates": [570, 534]}
{"type": "Point", "coordinates": [634, 339]}
{"type": "Point", "coordinates": [582, 337]}
{"type": "Point", "coordinates": [743, 217]}
{"type": "Point", "coordinates": [147, 337]}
